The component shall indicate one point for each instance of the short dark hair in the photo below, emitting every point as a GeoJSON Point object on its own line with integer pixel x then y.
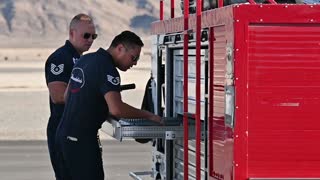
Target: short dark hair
{"type": "Point", "coordinates": [78, 18]}
{"type": "Point", "coordinates": [128, 39]}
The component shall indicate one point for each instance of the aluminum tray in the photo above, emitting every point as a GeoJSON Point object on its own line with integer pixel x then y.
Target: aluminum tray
{"type": "Point", "coordinates": [146, 129]}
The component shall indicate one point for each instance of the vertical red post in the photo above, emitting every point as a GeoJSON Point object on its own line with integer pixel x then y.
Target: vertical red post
{"type": "Point", "coordinates": [211, 95]}
{"type": "Point", "coordinates": [185, 93]}
{"type": "Point", "coordinates": [172, 8]}
{"type": "Point", "coordinates": [161, 10]}
{"type": "Point", "coordinates": [198, 90]}
{"type": "Point", "coordinates": [220, 3]}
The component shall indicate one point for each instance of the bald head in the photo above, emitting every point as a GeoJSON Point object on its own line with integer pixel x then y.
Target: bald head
{"type": "Point", "coordinates": [82, 32]}
{"type": "Point", "coordinates": [80, 18]}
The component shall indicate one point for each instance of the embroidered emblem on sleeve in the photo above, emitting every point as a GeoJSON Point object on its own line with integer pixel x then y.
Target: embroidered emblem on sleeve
{"type": "Point", "coordinates": [113, 80]}
{"type": "Point", "coordinates": [56, 70]}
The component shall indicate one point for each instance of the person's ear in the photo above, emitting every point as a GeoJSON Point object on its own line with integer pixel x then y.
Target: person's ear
{"type": "Point", "coordinates": [71, 33]}
{"type": "Point", "coordinates": [120, 48]}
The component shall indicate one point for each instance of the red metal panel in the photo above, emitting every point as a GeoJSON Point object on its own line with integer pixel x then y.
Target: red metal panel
{"type": "Point", "coordinates": [283, 13]}
{"type": "Point", "coordinates": [240, 70]}
{"type": "Point", "coordinates": [253, 155]}
{"type": "Point", "coordinates": [284, 97]}
{"type": "Point", "coordinates": [222, 142]}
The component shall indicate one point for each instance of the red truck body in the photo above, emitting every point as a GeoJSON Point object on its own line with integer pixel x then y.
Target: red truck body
{"type": "Point", "coordinates": [275, 53]}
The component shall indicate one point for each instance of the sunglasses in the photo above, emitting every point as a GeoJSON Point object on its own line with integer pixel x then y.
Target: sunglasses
{"type": "Point", "coordinates": [88, 35]}
{"type": "Point", "coordinates": [133, 58]}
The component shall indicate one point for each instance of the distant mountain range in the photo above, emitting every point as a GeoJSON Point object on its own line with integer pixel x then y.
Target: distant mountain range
{"type": "Point", "coordinates": [44, 23]}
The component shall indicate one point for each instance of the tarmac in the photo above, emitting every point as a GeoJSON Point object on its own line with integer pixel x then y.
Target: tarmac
{"type": "Point", "coordinates": [24, 112]}
{"type": "Point", "coordinates": [29, 160]}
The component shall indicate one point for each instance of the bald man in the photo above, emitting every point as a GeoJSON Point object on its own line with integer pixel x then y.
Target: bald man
{"type": "Point", "coordinates": [58, 69]}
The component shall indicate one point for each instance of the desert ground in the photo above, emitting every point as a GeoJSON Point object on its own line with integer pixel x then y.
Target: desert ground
{"type": "Point", "coordinates": [24, 107]}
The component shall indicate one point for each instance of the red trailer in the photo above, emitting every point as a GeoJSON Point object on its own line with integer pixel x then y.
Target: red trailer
{"type": "Point", "coordinates": [260, 94]}
{"type": "Point", "coordinates": [245, 81]}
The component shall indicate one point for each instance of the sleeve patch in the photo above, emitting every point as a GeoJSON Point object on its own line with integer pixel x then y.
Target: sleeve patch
{"type": "Point", "coordinates": [56, 70]}
{"type": "Point", "coordinates": [113, 80]}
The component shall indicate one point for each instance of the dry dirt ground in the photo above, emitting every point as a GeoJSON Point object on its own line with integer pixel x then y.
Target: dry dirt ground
{"type": "Point", "coordinates": [24, 107]}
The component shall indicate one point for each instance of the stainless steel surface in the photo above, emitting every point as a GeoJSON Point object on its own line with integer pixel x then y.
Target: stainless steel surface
{"type": "Point", "coordinates": [136, 175]}
{"type": "Point", "coordinates": [178, 81]}
{"type": "Point", "coordinates": [142, 129]}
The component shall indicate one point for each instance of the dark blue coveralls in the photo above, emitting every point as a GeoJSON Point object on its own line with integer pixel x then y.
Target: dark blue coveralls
{"type": "Point", "coordinates": [58, 67]}
{"type": "Point", "coordinates": [86, 109]}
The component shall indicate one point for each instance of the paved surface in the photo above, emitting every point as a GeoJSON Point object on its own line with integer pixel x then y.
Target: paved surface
{"type": "Point", "coordinates": [29, 160]}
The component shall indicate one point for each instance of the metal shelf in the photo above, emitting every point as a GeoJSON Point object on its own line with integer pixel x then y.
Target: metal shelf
{"type": "Point", "coordinates": [146, 129]}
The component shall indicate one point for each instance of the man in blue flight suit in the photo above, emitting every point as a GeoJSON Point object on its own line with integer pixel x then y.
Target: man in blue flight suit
{"type": "Point", "coordinates": [93, 94]}
{"type": "Point", "coordinates": [58, 69]}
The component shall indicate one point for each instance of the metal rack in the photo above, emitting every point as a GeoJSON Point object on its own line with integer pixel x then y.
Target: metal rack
{"type": "Point", "coordinates": [146, 129]}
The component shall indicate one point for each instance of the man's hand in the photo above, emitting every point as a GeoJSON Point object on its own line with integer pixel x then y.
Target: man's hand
{"type": "Point", "coordinates": [156, 118]}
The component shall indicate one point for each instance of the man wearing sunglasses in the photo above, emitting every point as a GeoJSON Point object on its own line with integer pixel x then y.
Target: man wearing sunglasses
{"type": "Point", "coordinates": [58, 70]}
{"type": "Point", "coordinates": [93, 95]}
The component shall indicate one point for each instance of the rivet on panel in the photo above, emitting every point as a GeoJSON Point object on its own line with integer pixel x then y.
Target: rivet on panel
{"type": "Point", "coordinates": [261, 20]}
{"type": "Point", "coordinates": [311, 6]}
{"type": "Point", "coordinates": [237, 20]}
{"type": "Point", "coordinates": [285, 6]}
{"type": "Point", "coordinates": [311, 20]}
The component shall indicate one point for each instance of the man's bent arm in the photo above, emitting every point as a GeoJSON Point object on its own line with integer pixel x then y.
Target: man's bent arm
{"type": "Point", "coordinates": [122, 110]}
{"type": "Point", "coordinates": [56, 90]}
